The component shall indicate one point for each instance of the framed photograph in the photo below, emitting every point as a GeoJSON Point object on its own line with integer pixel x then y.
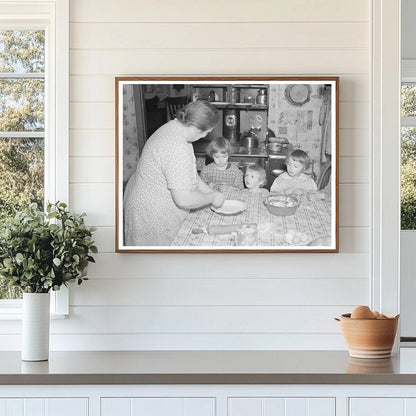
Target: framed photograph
{"type": "Point", "coordinates": [234, 164]}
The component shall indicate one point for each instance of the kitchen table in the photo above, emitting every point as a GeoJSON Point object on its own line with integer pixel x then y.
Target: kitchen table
{"type": "Point", "coordinates": [311, 218]}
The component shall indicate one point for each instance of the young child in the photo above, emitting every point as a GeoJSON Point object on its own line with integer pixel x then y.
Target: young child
{"type": "Point", "coordinates": [294, 180]}
{"type": "Point", "coordinates": [255, 179]}
{"type": "Point", "coordinates": [221, 175]}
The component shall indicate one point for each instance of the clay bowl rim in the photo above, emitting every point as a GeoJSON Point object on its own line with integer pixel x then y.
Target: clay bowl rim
{"type": "Point", "coordinates": [347, 316]}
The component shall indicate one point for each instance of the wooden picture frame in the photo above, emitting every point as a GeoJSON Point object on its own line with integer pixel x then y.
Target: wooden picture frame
{"type": "Point", "coordinates": [265, 120]}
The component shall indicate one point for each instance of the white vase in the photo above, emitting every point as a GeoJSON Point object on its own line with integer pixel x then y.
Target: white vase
{"type": "Point", "coordinates": [35, 326]}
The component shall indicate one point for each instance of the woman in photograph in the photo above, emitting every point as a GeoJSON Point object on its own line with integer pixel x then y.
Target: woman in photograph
{"type": "Point", "coordinates": [166, 184]}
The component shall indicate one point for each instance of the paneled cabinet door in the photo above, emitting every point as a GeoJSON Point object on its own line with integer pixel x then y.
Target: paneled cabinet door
{"type": "Point", "coordinates": [382, 406]}
{"type": "Point", "coordinates": [271, 406]}
{"type": "Point", "coordinates": [44, 407]}
{"type": "Point", "coordinates": [160, 406]}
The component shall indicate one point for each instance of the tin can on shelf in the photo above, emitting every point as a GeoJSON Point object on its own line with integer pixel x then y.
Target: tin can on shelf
{"type": "Point", "coordinates": [230, 125]}
{"type": "Point", "coordinates": [261, 97]}
{"type": "Point", "coordinates": [235, 95]}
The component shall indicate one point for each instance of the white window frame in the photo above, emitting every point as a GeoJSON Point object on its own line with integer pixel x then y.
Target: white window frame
{"type": "Point", "coordinates": [408, 238]}
{"type": "Point", "coordinates": [53, 17]}
{"type": "Point", "coordinates": [385, 150]}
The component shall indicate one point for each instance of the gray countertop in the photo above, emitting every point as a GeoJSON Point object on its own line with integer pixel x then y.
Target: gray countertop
{"type": "Point", "coordinates": [207, 367]}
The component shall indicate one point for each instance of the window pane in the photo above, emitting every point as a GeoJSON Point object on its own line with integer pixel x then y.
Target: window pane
{"type": "Point", "coordinates": [22, 104]}
{"type": "Point", "coordinates": [22, 109]}
{"type": "Point", "coordinates": [408, 178]}
{"type": "Point", "coordinates": [22, 51]}
{"type": "Point", "coordinates": [21, 182]}
{"type": "Point", "coordinates": [21, 173]}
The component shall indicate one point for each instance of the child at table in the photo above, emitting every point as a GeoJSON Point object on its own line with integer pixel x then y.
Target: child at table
{"type": "Point", "coordinates": [295, 180]}
{"type": "Point", "coordinates": [221, 175]}
{"type": "Point", "coordinates": [255, 179]}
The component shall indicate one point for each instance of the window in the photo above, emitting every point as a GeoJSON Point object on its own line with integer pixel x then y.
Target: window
{"type": "Point", "coordinates": [33, 111]}
{"type": "Point", "coordinates": [22, 124]}
{"type": "Point", "coordinates": [408, 155]}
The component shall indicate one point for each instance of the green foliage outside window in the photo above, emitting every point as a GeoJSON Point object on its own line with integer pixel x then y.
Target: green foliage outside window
{"type": "Point", "coordinates": [21, 110]}
{"type": "Point", "coordinates": [408, 179]}
{"type": "Point", "coordinates": [408, 160]}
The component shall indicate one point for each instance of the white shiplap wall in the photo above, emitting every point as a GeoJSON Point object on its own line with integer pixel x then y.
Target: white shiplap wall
{"type": "Point", "coordinates": [215, 301]}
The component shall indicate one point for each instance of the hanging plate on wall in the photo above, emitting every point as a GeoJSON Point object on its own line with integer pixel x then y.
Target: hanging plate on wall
{"type": "Point", "coordinates": [298, 94]}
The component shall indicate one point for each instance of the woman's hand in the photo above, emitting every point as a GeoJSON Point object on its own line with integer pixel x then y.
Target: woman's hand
{"type": "Point", "coordinates": [223, 187]}
{"type": "Point", "coordinates": [218, 199]}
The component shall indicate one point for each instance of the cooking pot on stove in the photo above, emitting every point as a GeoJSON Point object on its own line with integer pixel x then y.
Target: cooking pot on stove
{"type": "Point", "coordinates": [249, 140]}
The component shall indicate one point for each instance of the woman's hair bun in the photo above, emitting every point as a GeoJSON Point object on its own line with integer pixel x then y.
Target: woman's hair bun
{"type": "Point", "coordinates": [200, 114]}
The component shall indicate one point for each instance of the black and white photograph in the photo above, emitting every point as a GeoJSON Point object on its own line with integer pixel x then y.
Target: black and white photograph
{"type": "Point", "coordinates": [227, 164]}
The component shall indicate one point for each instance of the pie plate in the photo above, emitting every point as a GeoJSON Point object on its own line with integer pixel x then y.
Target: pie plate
{"type": "Point", "coordinates": [230, 207]}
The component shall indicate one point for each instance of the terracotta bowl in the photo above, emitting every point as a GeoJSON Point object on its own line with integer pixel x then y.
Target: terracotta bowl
{"type": "Point", "coordinates": [369, 338]}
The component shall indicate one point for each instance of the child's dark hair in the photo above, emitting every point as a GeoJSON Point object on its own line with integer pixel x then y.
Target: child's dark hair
{"type": "Point", "coordinates": [299, 156]}
{"type": "Point", "coordinates": [260, 171]}
{"type": "Point", "coordinates": [200, 114]}
{"type": "Point", "coordinates": [218, 145]}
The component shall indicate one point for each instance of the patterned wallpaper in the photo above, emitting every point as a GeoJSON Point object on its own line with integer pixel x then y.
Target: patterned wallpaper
{"type": "Point", "coordinates": [130, 136]}
{"type": "Point", "coordinates": [299, 124]}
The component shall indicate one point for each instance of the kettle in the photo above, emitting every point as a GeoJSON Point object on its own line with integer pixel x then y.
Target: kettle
{"type": "Point", "coordinates": [249, 140]}
{"type": "Point", "coordinates": [212, 96]}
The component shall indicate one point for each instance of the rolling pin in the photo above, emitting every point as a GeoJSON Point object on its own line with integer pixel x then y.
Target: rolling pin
{"type": "Point", "coordinates": [220, 229]}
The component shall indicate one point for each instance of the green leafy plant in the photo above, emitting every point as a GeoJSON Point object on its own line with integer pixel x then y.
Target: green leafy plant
{"type": "Point", "coordinates": [42, 251]}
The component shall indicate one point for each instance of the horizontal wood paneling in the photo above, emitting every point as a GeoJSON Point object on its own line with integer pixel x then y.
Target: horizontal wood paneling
{"type": "Point", "coordinates": [145, 342]}
{"type": "Point", "coordinates": [201, 319]}
{"type": "Point", "coordinates": [354, 170]}
{"type": "Point", "coordinates": [92, 115]}
{"type": "Point", "coordinates": [354, 208]}
{"type": "Point", "coordinates": [96, 199]}
{"type": "Point", "coordinates": [253, 301]}
{"type": "Point", "coordinates": [351, 114]}
{"type": "Point", "coordinates": [354, 142]}
{"type": "Point", "coordinates": [218, 11]}
{"type": "Point", "coordinates": [244, 61]}
{"type": "Point", "coordinates": [231, 265]}
{"type": "Point", "coordinates": [221, 291]}
{"type": "Point", "coordinates": [354, 239]}
{"type": "Point", "coordinates": [92, 88]}
{"type": "Point", "coordinates": [92, 169]}
{"type": "Point", "coordinates": [105, 239]}
{"type": "Point", "coordinates": [221, 35]}
{"type": "Point", "coordinates": [94, 143]}
{"type": "Point", "coordinates": [102, 88]}
{"type": "Point", "coordinates": [195, 320]}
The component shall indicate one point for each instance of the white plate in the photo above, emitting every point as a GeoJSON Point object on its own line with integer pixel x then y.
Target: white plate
{"type": "Point", "coordinates": [231, 207]}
